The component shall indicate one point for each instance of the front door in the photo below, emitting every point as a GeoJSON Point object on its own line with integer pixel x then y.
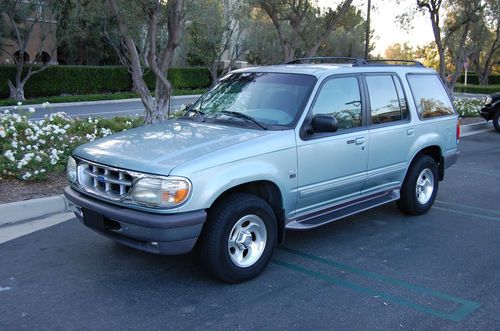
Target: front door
{"type": "Point", "coordinates": [332, 166]}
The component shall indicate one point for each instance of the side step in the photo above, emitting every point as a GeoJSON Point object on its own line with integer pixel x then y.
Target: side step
{"type": "Point", "coordinates": [344, 210]}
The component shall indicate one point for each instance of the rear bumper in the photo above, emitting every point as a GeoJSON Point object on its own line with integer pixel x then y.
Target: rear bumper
{"type": "Point", "coordinates": [169, 234]}
{"type": "Point", "coordinates": [450, 157]}
{"type": "Point", "coordinates": [487, 112]}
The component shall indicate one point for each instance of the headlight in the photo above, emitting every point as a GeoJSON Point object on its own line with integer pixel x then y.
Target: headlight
{"type": "Point", "coordinates": [488, 100]}
{"type": "Point", "coordinates": [161, 193]}
{"type": "Point", "coordinates": [71, 170]}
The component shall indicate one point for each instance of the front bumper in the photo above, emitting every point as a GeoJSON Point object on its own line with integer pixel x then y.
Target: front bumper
{"type": "Point", "coordinates": [168, 234]}
{"type": "Point", "coordinates": [487, 112]}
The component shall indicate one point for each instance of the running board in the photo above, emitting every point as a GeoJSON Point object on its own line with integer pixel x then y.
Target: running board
{"type": "Point", "coordinates": [344, 210]}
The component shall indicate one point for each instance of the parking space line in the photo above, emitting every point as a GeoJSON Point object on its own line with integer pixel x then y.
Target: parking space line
{"type": "Point", "coordinates": [472, 208]}
{"type": "Point", "coordinates": [465, 309]}
{"type": "Point", "coordinates": [465, 213]}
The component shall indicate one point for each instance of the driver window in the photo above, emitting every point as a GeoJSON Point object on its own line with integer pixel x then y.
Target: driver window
{"type": "Point", "coordinates": [340, 97]}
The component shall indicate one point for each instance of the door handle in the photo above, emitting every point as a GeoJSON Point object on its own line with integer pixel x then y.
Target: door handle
{"type": "Point", "coordinates": [360, 141]}
{"type": "Point", "coordinates": [410, 131]}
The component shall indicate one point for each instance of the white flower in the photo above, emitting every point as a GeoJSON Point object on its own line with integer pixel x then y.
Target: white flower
{"type": "Point", "coordinates": [31, 110]}
{"type": "Point", "coordinates": [2, 132]}
{"type": "Point", "coordinates": [38, 158]}
{"type": "Point", "coordinates": [9, 155]}
{"type": "Point", "coordinates": [36, 172]}
{"type": "Point", "coordinates": [14, 144]}
{"type": "Point", "coordinates": [42, 171]}
{"type": "Point", "coordinates": [19, 103]}
{"type": "Point", "coordinates": [26, 176]}
{"type": "Point", "coordinates": [45, 104]}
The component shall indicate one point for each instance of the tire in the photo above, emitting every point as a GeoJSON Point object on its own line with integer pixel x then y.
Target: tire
{"type": "Point", "coordinates": [238, 238]}
{"type": "Point", "coordinates": [496, 120]}
{"type": "Point", "coordinates": [424, 170]}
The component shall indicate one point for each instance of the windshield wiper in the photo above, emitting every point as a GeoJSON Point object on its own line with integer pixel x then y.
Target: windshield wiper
{"type": "Point", "coordinates": [243, 116]}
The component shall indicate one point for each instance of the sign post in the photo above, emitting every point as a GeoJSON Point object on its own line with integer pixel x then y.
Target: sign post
{"type": "Point", "coordinates": [466, 67]}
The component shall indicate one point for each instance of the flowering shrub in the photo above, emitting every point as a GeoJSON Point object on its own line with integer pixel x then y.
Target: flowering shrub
{"type": "Point", "coordinates": [468, 107]}
{"type": "Point", "coordinates": [29, 149]}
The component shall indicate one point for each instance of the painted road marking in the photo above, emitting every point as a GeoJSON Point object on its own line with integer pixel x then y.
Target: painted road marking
{"type": "Point", "coordinates": [466, 307]}
{"type": "Point", "coordinates": [467, 207]}
{"type": "Point", "coordinates": [465, 213]}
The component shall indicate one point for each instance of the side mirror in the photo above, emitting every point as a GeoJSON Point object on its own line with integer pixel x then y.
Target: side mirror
{"type": "Point", "coordinates": [324, 123]}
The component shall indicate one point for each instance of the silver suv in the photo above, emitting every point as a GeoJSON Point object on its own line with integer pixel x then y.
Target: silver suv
{"type": "Point", "coordinates": [266, 149]}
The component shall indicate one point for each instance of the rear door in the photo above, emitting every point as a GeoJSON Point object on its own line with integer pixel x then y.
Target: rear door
{"type": "Point", "coordinates": [391, 132]}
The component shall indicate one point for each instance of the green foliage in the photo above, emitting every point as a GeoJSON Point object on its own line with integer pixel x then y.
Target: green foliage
{"type": "Point", "coordinates": [474, 79]}
{"type": "Point", "coordinates": [468, 107]}
{"type": "Point", "coordinates": [488, 89]}
{"type": "Point", "coordinates": [29, 150]}
{"type": "Point", "coordinates": [69, 80]}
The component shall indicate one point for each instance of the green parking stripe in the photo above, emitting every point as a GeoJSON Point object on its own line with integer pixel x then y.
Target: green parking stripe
{"type": "Point", "coordinates": [490, 218]}
{"type": "Point", "coordinates": [466, 207]}
{"type": "Point", "coordinates": [466, 308]}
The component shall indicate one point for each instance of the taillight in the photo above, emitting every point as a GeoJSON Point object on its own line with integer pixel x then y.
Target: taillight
{"type": "Point", "coordinates": [458, 131]}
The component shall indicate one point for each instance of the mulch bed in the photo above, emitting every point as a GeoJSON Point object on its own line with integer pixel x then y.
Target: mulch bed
{"type": "Point", "coordinates": [17, 190]}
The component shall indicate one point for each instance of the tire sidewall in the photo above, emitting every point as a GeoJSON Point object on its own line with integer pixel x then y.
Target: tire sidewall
{"type": "Point", "coordinates": [421, 165]}
{"type": "Point", "coordinates": [496, 119]}
{"type": "Point", "coordinates": [221, 221]}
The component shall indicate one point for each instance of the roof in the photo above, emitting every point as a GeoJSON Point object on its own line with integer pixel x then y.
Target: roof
{"type": "Point", "coordinates": [338, 68]}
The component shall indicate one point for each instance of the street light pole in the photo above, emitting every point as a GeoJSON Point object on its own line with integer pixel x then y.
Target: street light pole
{"type": "Point", "coordinates": [367, 35]}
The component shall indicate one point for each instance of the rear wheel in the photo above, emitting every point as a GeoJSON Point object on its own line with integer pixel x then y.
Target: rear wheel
{"type": "Point", "coordinates": [496, 120]}
{"type": "Point", "coordinates": [239, 238]}
{"type": "Point", "coordinates": [420, 186]}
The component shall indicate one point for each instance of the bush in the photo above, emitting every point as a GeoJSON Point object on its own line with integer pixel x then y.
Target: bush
{"type": "Point", "coordinates": [29, 150]}
{"type": "Point", "coordinates": [468, 107]}
{"type": "Point", "coordinates": [473, 79]}
{"type": "Point", "coordinates": [80, 80]}
{"type": "Point", "coordinates": [487, 89]}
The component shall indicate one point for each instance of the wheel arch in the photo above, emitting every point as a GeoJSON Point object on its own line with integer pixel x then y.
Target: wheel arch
{"type": "Point", "coordinates": [269, 192]}
{"type": "Point", "coordinates": [436, 153]}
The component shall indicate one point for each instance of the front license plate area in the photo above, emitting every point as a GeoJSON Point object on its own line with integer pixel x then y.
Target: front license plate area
{"type": "Point", "coordinates": [93, 219]}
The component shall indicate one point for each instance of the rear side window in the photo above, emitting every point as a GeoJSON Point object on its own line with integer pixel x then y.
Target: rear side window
{"type": "Point", "coordinates": [387, 101]}
{"type": "Point", "coordinates": [430, 96]}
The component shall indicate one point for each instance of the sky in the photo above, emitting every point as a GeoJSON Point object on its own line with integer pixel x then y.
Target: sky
{"type": "Point", "coordinates": [387, 30]}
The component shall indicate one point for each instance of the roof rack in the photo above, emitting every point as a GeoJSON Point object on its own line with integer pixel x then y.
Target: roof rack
{"type": "Point", "coordinates": [356, 62]}
{"type": "Point", "coordinates": [328, 59]}
{"type": "Point", "coordinates": [391, 62]}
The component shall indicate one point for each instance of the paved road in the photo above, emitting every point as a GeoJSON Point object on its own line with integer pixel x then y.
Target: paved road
{"type": "Point", "coordinates": [379, 270]}
{"type": "Point", "coordinates": [104, 108]}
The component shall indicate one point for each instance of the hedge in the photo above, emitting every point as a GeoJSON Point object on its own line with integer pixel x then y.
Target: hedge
{"type": "Point", "coordinates": [488, 89]}
{"type": "Point", "coordinates": [71, 80]}
{"type": "Point", "coordinates": [472, 78]}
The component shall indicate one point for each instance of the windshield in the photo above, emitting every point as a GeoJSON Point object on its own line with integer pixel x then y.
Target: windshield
{"type": "Point", "coordinates": [264, 100]}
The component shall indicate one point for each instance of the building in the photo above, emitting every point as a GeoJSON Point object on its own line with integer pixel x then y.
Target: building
{"type": "Point", "coordinates": [42, 43]}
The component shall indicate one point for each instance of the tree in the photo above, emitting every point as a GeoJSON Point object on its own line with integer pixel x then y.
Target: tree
{"type": "Point", "coordinates": [399, 51]}
{"type": "Point", "coordinates": [158, 50]}
{"type": "Point", "coordinates": [458, 23]}
{"type": "Point", "coordinates": [81, 26]}
{"type": "Point", "coordinates": [216, 32]}
{"type": "Point", "coordinates": [484, 42]}
{"type": "Point", "coordinates": [291, 17]}
{"type": "Point", "coordinates": [23, 23]}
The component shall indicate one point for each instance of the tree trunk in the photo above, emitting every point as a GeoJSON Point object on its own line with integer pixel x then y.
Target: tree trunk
{"type": "Point", "coordinates": [16, 92]}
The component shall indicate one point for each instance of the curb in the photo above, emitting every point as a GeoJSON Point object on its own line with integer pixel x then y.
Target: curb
{"type": "Point", "coordinates": [468, 129]}
{"type": "Point", "coordinates": [20, 211]}
{"type": "Point", "coordinates": [99, 102]}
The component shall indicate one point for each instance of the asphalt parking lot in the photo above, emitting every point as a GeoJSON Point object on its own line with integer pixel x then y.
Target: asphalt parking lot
{"type": "Point", "coordinates": [376, 270]}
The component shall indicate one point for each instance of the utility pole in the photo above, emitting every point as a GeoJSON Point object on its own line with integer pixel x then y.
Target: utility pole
{"type": "Point", "coordinates": [367, 35]}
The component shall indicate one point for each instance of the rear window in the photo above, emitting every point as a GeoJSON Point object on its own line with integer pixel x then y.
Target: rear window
{"type": "Point", "coordinates": [430, 96]}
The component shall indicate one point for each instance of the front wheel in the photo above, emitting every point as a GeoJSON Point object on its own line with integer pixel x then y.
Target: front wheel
{"type": "Point", "coordinates": [239, 238]}
{"type": "Point", "coordinates": [419, 187]}
{"type": "Point", "coordinates": [496, 120]}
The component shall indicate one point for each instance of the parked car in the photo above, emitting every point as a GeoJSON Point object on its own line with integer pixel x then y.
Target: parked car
{"type": "Point", "coordinates": [491, 110]}
{"type": "Point", "coordinates": [267, 149]}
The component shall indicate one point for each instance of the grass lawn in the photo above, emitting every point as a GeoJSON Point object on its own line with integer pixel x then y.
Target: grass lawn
{"type": "Point", "coordinates": [91, 97]}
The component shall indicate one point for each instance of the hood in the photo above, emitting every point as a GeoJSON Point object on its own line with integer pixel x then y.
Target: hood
{"type": "Point", "coordinates": [158, 148]}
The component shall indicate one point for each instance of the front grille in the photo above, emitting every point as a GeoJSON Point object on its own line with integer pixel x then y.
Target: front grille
{"type": "Point", "coordinates": [104, 181]}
